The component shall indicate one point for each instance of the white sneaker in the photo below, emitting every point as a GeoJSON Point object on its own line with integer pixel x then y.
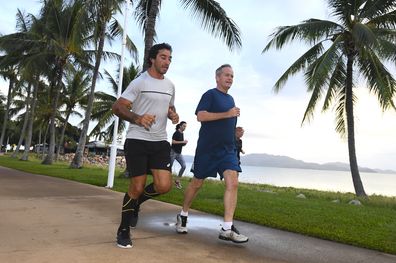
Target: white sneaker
{"type": "Point", "coordinates": [178, 185]}
{"type": "Point", "coordinates": [232, 235]}
{"type": "Point", "coordinates": [181, 224]}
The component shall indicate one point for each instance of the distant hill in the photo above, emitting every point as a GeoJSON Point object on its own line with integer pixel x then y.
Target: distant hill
{"type": "Point", "coordinates": [263, 159]}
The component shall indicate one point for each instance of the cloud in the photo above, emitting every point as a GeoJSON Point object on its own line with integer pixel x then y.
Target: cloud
{"type": "Point", "coordinates": [272, 121]}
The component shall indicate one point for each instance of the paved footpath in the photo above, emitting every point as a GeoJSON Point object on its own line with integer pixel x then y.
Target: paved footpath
{"type": "Point", "coordinates": [46, 219]}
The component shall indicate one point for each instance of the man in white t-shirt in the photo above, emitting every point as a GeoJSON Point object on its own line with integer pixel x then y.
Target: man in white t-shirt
{"type": "Point", "coordinates": [146, 104]}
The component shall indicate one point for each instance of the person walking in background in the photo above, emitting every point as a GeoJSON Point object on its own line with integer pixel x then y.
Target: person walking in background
{"type": "Point", "coordinates": [238, 144]}
{"type": "Point", "coordinates": [176, 150]}
{"type": "Point", "coordinates": [146, 104]}
{"type": "Point", "coordinates": [239, 131]}
{"type": "Point", "coordinates": [216, 153]}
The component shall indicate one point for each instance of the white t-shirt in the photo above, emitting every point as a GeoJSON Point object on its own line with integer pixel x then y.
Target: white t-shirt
{"type": "Point", "coordinates": [150, 96]}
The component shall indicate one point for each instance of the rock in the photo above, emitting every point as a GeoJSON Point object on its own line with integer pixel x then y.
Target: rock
{"type": "Point", "coordinates": [97, 160]}
{"type": "Point", "coordinates": [301, 196]}
{"type": "Point", "coordinates": [355, 202]}
{"type": "Point", "coordinates": [266, 191]}
{"type": "Point", "coordinates": [336, 201]}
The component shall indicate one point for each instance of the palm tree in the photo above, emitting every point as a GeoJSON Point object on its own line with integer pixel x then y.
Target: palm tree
{"type": "Point", "coordinates": [2, 106]}
{"type": "Point", "coordinates": [8, 73]}
{"type": "Point", "coordinates": [24, 103]}
{"type": "Point", "coordinates": [65, 30]}
{"type": "Point", "coordinates": [361, 40]}
{"type": "Point", "coordinates": [43, 112]}
{"type": "Point", "coordinates": [102, 11]}
{"type": "Point", "coordinates": [212, 16]}
{"type": "Point", "coordinates": [28, 139]}
{"type": "Point", "coordinates": [54, 39]}
{"type": "Point", "coordinates": [102, 112]}
{"type": "Point", "coordinates": [18, 49]}
{"type": "Point", "coordinates": [76, 88]}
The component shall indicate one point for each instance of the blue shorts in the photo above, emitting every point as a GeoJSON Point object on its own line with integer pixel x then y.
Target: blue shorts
{"type": "Point", "coordinates": [210, 164]}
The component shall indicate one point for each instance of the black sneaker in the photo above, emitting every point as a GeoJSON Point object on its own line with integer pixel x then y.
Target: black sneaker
{"type": "Point", "coordinates": [134, 217]}
{"type": "Point", "coordinates": [124, 239]}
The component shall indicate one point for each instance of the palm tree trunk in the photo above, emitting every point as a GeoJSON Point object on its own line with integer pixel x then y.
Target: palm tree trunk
{"type": "Point", "coordinates": [25, 123]}
{"type": "Point", "coordinates": [29, 134]}
{"type": "Point", "coordinates": [51, 148]}
{"type": "Point", "coordinates": [40, 134]}
{"type": "Point", "coordinates": [45, 141]}
{"type": "Point", "coordinates": [357, 182]}
{"type": "Point", "coordinates": [49, 158]}
{"type": "Point", "coordinates": [62, 137]}
{"type": "Point", "coordinates": [77, 161]}
{"type": "Point", "coordinates": [5, 120]}
{"type": "Point", "coordinates": [149, 31]}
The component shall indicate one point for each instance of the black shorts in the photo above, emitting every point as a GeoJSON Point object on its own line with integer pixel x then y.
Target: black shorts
{"type": "Point", "coordinates": [142, 156]}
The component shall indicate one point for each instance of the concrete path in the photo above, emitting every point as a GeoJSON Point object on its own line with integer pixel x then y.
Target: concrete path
{"type": "Point", "coordinates": [45, 219]}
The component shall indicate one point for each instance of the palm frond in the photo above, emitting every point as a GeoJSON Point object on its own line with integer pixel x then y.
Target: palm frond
{"type": "Point", "coordinates": [77, 114]}
{"type": "Point", "coordinates": [106, 133]}
{"type": "Point", "coordinates": [214, 19]}
{"type": "Point", "coordinates": [386, 51]}
{"type": "Point", "coordinates": [387, 20]}
{"type": "Point", "coordinates": [318, 73]}
{"type": "Point", "coordinates": [103, 96]}
{"type": "Point", "coordinates": [315, 96]}
{"type": "Point", "coordinates": [101, 113]}
{"type": "Point", "coordinates": [345, 9]}
{"type": "Point", "coordinates": [310, 31]}
{"type": "Point", "coordinates": [380, 80]}
{"type": "Point", "coordinates": [300, 64]}
{"type": "Point", "coordinates": [23, 23]}
{"type": "Point", "coordinates": [116, 30]}
{"type": "Point", "coordinates": [364, 36]}
{"type": "Point", "coordinates": [113, 82]}
{"type": "Point", "coordinates": [341, 115]}
{"type": "Point", "coordinates": [141, 13]}
{"type": "Point", "coordinates": [336, 83]}
{"type": "Point", "coordinates": [373, 10]}
{"type": "Point", "coordinates": [104, 121]}
{"type": "Point", "coordinates": [111, 55]}
{"type": "Point", "coordinates": [132, 49]}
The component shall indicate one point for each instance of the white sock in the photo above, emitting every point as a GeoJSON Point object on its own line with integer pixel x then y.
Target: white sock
{"type": "Point", "coordinates": [227, 225]}
{"type": "Point", "coordinates": [182, 213]}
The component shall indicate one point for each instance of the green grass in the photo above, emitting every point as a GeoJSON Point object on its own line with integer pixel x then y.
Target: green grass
{"type": "Point", "coordinates": [372, 225]}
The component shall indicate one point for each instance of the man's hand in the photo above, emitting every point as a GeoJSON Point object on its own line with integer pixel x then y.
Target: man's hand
{"type": "Point", "coordinates": [146, 120]}
{"type": "Point", "coordinates": [234, 112]}
{"type": "Point", "coordinates": [173, 116]}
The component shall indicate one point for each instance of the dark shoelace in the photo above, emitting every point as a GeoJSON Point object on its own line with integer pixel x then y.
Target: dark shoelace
{"type": "Point", "coordinates": [233, 228]}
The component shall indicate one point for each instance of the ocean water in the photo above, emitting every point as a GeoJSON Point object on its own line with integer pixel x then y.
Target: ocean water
{"type": "Point", "coordinates": [336, 181]}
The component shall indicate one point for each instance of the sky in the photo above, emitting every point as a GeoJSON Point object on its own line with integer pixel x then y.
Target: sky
{"type": "Point", "coordinates": [272, 121]}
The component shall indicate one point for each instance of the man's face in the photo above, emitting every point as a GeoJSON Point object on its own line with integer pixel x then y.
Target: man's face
{"type": "Point", "coordinates": [162, 61]}
{"type": "Point", "coordinates": [225, 78]}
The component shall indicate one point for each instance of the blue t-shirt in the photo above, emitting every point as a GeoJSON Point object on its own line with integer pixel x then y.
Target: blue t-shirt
{"type": "Point", "coordinates": [216, 135]}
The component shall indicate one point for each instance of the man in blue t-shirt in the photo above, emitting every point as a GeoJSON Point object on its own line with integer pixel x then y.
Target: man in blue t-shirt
{"type": "Point", "coordinates": [216, 152]}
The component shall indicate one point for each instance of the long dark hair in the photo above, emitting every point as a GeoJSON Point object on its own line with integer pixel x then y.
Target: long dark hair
{"type": "Point", "coordinates": [180, 124]}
